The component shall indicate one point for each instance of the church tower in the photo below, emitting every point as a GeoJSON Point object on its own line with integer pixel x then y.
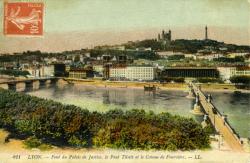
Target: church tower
{"type": "Point", "coordinates": [206, 37]}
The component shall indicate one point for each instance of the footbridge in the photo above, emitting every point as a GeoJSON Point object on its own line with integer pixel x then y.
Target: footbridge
{"type": "Point", "coordinates": [219, 121]}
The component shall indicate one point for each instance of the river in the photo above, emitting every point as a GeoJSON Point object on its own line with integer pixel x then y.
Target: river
{"type": "Point", "coordinates": [235, 106]}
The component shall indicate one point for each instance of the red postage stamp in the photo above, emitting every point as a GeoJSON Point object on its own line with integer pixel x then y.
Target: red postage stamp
{"type": "Point", "coordinates": [23, 18]}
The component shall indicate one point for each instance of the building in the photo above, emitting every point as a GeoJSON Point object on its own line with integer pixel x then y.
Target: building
{"type": "Point", "coordinates": [114, 61]}
{"type": "Point", "coordinates": [141, 73]}
{"type": "Point", "coordinates": [209, 57]}
{"type": "Point", "coordinates": [78, 74]}
{"type": "Point", "coordinates": [117, 73]}
{"type": "Point", "coordinates": [106, 58]}
{"type": "Point", "coordinates": [191, 56]}
{"type": "Point", "coordinates": [47, 70]}
{"type": "Point", "coordinates": [143, 49]}
{"type": "Point", "coordinates": [106, 71]}
{"type": "Point", "coordinates": [165, 38]}
{"type": "Point", "coordinates": [40, 70]}
{"type": "Point", "coordinates": [190, 72]}
{"type": "Point", "coordinates": [165, 54]}
{"type": "Point", "coordinates": [33, 71]}
{"type": "Point", "coordinates": [122, 59]}
{"type": "Point", "coordinates": [98, 69]}
{"type": "Point", "coordinates": [67, 68]}
{"type": "Point", "coordinates": [60, 69]}
{"type": "Point", "coordinates": [81, 73]}
{"type": "Point", "coordinates": [245, 71]}
{"type": "Point", "coordinates": [227, 72]}
{"type": "Point", "coordinates": [144, 73]}
{"type": "Point", "coordinates": [233, 55]}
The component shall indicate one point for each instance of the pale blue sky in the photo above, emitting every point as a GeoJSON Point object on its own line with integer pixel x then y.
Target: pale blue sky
{"type": "Point", "coordinates": [89, 15]}
{"type": "Point", "coordinates": [74, 24]}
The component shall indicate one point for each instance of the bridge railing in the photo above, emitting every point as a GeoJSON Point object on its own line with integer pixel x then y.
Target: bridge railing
{"type": "Point", "coordinates": [211, 105]}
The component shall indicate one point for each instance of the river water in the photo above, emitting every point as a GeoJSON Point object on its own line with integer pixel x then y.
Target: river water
{"type": "Point", "coordinates": [235, 106]}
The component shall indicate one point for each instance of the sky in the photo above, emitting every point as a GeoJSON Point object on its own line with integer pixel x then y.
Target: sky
{"type": "Point", "coordinates": [76, 24]}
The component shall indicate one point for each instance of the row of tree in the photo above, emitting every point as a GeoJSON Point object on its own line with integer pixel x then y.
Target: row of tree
{"type": "Point", "coordinates": [186, 46]}
{"type": "Point", "coordinates": [230, 60]}
{"type": "Point", "coordinates": [67, 125]}
{"type": "Point", "coordinates": [209, 80]}
{"type": "Point", "coordinates": [242, 79]}
{"type": "Point", "coordinates": [37, 55]}
{"type": "Point", "coordinates": [150, 55]}
{"type": "Point", "coordinates": [14, 72]}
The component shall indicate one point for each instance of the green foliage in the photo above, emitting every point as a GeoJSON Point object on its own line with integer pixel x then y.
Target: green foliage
{"type": "Point", "coordinates": [209, 80]}
{"type": "Point", "coordinates": [133, 54]}
{"type": "Point", "coordinates": [32, 142]}
{"type": "Point", "coordinates": [37, 55]}
{"type": "Point", "coordinates": [76, 142]}
{"type": "Point", "coordinates": [230, 60]}
{"type": "Point", "coordinates": [176, 57]}
{"type": "Point", "coordinates": [23, 126]}
{"type": "Point", "coordinates": [186, 46]}
{"type": "Point", "coordinates": [240, 79]}
{"type": "Point", "coordinates": [209, 129]}
{"type": "Point", "coordinates": [45, 147]}
{"type": "Point", "coordinates": [14, 72]}
{"type": "Point", "coordinates": [148, 43]}
{"type": "Point", "coordinates": [77, 58]}
{"type": "Point", "coordinates": [68, 125]}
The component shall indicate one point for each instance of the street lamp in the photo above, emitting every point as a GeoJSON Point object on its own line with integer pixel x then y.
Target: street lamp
{"type": "Point", "coordinates": [205, 117]}
{"type": "Point", "coordinates": [209, 98]}
{"type": "Point", "coordinates": [224, 117]}
{"type": "Point", "coordinates": [219, 140]}
{"type": "Point", "coordinates": [214, 112]}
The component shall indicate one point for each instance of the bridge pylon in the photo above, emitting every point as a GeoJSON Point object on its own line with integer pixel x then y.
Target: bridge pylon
{"type": "Point", "coordinates": [197, 107]}
{"type": "Point", "coordinates": [190, 92]}
{"type": "Point", "coordinates": [204, 123]}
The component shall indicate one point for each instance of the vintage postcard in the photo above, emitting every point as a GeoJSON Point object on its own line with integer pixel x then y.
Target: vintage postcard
{"type": "Point", "coordinates": [125, 81]}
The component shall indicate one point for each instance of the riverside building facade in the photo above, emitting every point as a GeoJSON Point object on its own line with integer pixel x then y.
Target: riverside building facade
{"type": "Point", "coordinates": [227, 72]}
{"type": "Point", "coordinates": [191, 72]}
{"type": "Point", "coordinates": [77, 74]}
{"type": "Point", "coordinates": [141, 73]}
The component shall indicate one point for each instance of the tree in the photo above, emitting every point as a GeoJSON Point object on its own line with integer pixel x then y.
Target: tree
{"type": "Point", "coordinates": [176, 57]}
{"type": "Point", "coordinates": [51, 122]}
{"type": "Point", "coordinates": [240, 79]}
{"type": "Point", "coordinates": [77, 58]}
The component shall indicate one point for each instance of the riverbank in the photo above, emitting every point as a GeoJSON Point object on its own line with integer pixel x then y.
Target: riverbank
{"type": "Point", "coordinates": [163, 86]}
{"type": "Point", "coordinates": [128, 84]}
{"type": "Point", "coordinates": [15, 147]}
{"type": "Point", "coordinates": [209, 87]}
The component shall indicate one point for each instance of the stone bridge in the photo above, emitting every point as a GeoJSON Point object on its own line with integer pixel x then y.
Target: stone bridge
{"type": "Point", "coordinates": [28, 84]}
{"type": "Point", "coordinates": [204, 105]}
